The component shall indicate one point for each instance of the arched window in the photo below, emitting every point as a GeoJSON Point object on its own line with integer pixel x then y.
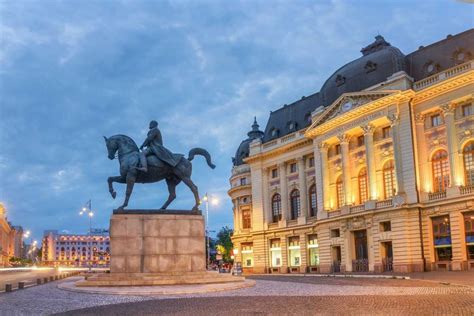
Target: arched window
{"type": "Point", "coordinates": [295, 204]}
{"type": "Point", "coordinates": [276, 208]}
{"type": "Point", "coordinates": [313, 205]}
{"type": "Point", "coordinates": [339, 192]}
{"type": "Point", "coordinates": [363, 192]}
{"type": "Point", "coordinates": [468, 155]}
{"type": "Point", "coordinates": [389, 179]}
{"type": "Point", "coordinates": [440, 169]}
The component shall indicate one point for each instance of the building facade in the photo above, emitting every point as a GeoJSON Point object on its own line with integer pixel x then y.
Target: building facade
{"type": "Point", "coordinates": [75, 249]}
{"type": "Point", "coordinates": [17, 245]}
{"type": "Point", "coordinates": [5, 244]}
{"type": "Point", "coordinates": [373, 173]}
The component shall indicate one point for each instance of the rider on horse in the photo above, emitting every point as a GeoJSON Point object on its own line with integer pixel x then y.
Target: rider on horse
{"type": "Point", "coordinates": [154, 144]}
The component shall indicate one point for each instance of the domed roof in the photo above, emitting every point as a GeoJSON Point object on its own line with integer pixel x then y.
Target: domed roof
{"type": "Point", "coordinates": [244, 148]}
{"type": "Point", "coordinates": [379, 61]}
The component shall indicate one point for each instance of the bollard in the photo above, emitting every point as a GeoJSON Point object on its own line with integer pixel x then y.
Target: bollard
{"type": "Point", "coordinates": [45, 280]}
{"type": "Point", "coordinates": [8, 287]}
{"type": "Point", "coordinates": [38, 281]}
{"type": "Point", "coordinates": [51, 279]}
{"type": "Point", "coordinates": [56, 278]}
{"type": "Point", "coordinates": [21, 285]}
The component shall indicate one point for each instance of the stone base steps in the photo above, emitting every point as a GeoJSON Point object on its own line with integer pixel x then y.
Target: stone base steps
{"type": "Point", "coordinates": [151, 279]}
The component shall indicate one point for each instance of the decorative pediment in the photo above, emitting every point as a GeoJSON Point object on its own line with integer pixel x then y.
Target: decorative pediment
{"type": "Point", "coordinates": [352, 105]}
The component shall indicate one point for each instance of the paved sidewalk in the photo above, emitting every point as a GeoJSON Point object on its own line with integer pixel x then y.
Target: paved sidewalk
{"type": "Point", "coordinates": [452, 277]}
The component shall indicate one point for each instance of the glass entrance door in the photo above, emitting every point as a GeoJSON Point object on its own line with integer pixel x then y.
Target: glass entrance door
{"type": "Point", "coordinates": [361, 262]}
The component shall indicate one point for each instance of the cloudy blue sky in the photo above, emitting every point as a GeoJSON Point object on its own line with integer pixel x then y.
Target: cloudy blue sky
{"type": "Point", "coordinates": [72, 71]}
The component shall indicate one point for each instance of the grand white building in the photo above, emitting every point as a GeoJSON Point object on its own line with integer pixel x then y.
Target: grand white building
{"type": "Point", "coordinates": [375, 172]}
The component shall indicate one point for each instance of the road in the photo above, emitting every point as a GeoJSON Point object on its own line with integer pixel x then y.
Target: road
{"type": "Point", "coordinates": [29, 277]}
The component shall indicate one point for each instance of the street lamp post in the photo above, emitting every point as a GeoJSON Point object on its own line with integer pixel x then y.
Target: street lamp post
{"type": "Point", "coordinates": [214, 201]}
{"type": "Point", "coordinates": [87, 209]}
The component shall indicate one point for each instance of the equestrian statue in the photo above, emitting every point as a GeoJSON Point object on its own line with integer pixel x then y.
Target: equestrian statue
{"type": "Point", "coordinates": [154, 163]}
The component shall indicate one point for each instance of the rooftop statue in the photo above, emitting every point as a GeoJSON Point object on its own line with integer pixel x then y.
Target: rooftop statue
{"type": "Point", "coordinates": [154, 163]}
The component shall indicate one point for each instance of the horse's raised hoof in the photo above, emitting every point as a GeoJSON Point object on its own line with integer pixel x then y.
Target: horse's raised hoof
{"type": "Point", "coordinates": [114, 194]}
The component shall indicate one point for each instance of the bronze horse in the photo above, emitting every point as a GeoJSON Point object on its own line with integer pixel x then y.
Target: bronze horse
{"type": "Point", "coordinates": [128, 156]}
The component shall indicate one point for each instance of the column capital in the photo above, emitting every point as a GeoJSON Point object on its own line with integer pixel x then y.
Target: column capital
{"type": "Point", "coordinates": [368, 129]}
{"type": "Point", "coordinates": [394, 119]}
{"type": "Point", "coordinates": [343, 138]}
{"type": "Point", "coordinates": [281, 164]}
{"type": "Point", "coordinates": [300, 159]}
{"type": "Point", "coordinates": [323, 146]}
{"type": "Point", "coordinates": [420, 118]}
{"type": "Point", "coordinates": [447, 109]}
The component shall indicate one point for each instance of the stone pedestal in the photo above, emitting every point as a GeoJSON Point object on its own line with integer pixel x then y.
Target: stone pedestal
{"type": "Point", "coordinates": [152, 248]}
{"type": "Point", "coordinates": [157, 241]}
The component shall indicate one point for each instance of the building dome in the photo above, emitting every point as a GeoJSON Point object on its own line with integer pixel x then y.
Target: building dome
{"type": "Point", "coordinates": [379, 61]}
{"type": "Point", "coordinates": [244, 148]}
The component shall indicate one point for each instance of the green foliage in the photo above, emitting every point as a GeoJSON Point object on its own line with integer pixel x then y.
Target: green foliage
{"type": "Point", "coordinates": [20, 262]}
{"type": "Point", "coordinates": [224, 243]}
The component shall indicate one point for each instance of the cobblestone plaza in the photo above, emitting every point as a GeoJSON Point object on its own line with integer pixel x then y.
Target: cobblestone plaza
{"type": "Point", "coordinates": [275, 294]}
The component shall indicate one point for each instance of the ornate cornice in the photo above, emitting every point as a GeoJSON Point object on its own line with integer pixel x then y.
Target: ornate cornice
{"type": "Point", "coordinates": [279, 150]}
{"type": "Point", "coordinates": [394, 119]}
{"type": "Point", "coordinates": [444, 86]}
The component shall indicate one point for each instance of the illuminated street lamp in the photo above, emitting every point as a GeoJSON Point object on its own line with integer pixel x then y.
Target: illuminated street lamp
{"type": "Point", "coordinates": [214, 201]}
{"type": "Point", "coordinates": [87, 209]}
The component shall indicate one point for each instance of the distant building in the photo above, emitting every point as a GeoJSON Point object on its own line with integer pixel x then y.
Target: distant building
{"type": "Point", "coordinates": [17, 245]}
{"type": "Point", "coordinates": [5, 230]}
{"type": "Point", "coordinates": [76, 249]}
{"type": "Point", "coordinates": [373, 173]}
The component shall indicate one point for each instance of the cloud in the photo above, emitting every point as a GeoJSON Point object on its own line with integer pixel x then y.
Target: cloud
{"type": "Point", "coordinates": [203, 70]}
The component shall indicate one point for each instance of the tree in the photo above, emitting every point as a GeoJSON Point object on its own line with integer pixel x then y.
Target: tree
{"type": "Point", "coordinates": [224, 243]}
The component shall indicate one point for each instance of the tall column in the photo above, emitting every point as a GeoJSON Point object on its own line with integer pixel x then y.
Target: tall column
{"type": "Point", "coordinates": [302, 185]}
{"type": "Point", "coordinates": [453, 149]}
{"type": "Point", "coordinates": [237, 215]}
{"type": "Point", "coordinates": [267, 212]}
{"type": "Point", "coordinates": [323, 149]}
{"type": "Point", "coordinates": [397, 150]}
{"type": "Point", "coordinates": [283, 190]}
{"type": "Point", "coordinates": [346, 174]}
{"type": "Point", "coordinates": [424, 172]}
{"type": "Point", "coordinates": [369, 154]}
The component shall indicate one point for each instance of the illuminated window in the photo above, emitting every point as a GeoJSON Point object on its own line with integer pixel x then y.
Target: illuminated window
{"type": "Point", "coordinates": [467, 109]}
{"type": "Point", "coordinates": [275, 252]}
{"type": "Point", "coordinates": [313, 250]}
{"type": "Point", "coordinates": [469, 231]}
{"type": "Point", "coordinates": [246, 219]}
{"type": "Point", "coordinates": [468, 155]}
{"type": "Point", "coordinates": [276, 208]}
{"type": "Point", "coordinates": [363, 196]}
{"type": "Point", "coordinates": [339, 192]}
{"type": "Point", "coordinates": [435, 120]}
{"type": "Point", "coordinates": [294, 251]}
{"type": "Point", "coordinates": [440, 170]}
{"type": "Point", "coordinates": [312, 200]}
{"type": "Point", "coordinates": [247, 255]}
{"type": "Point", "coordinates": [295, 204]}
{"type": "Point", "coordinates": [442, 238]}
{"type": "Point", "coordinates": [389, 179]}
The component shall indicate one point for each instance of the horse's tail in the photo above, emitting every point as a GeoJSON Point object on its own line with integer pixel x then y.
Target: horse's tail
{"type": "Point", "coordinates": [201, 152]}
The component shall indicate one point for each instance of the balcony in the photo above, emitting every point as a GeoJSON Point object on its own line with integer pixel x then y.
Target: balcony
{"type": "Point", "coordinates": [468, 189]}
{"type": "Point", "coordinates": [436, 195]}
{"type": "Point", "coordinates": [384, 203]}
{"type": "Point", "coordinates": [441, 76]}
{"type": "Point", "coordinates": [357, 208]}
